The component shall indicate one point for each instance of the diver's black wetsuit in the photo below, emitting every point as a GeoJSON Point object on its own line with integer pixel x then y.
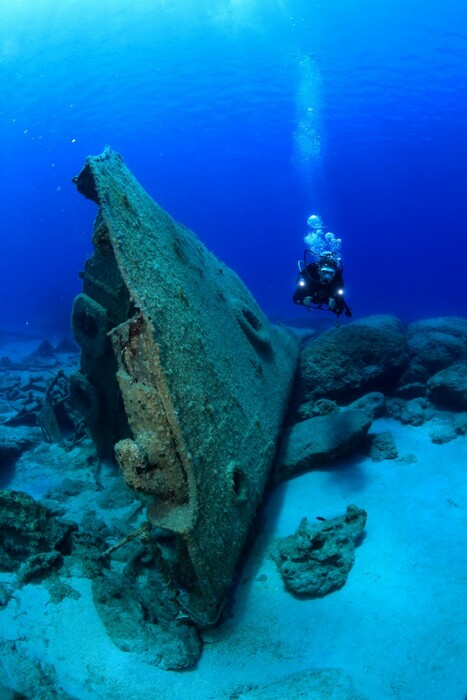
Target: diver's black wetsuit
{"type": "Point", "coordinates": [319, 292]}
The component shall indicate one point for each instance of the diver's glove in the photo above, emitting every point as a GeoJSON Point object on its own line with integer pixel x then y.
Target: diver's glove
{"type": "Point", "coordinates": [331, 303]}
{"type": "Point", "coordinates": [308, 301]}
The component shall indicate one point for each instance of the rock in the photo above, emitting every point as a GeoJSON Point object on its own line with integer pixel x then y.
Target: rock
{"type": "Point", "coordinates": [38, 566]}
{"type": "Point", "coordinates": [45, 349]}
{"type": "Point", "coordinates": [411, 390]}
{"type": "Point", "coordinates": [455, 326]}
{"type": "Point", "coordinates": [380, 446]}
{"type": "Point", "coordinates": [28, 528]}
{"type": "Point", "coordinates": [448, 388]}
{"type": "Point", "coordinates": [311, 409]}
{"type": "Point", "coordinates": [413, 413]}
{"type": "Point", "coordinates": [9, 384]}
{"type": "Point", "coordinates": [436, 346]}
{"type": "Point", "coordinates": [43, 353]}
{"type": "Point", "coordinates": [319, 441]}
{"type": "Point", "coordinates": [460, 422]}
{"type": "Point", "coordinates": [59, 590]}
{"type": "Point", "coordinates": [142, 616]}
{"type": "Point", "coordinates": [347, 362]}
{"type": "Point", "coordinates": [373, 403]}
{"type": "Point", "coordinates": [317, 558]}
{"type": "Point", "coordinates": [394, 407]}
{"type": "Point", "coordinates": [435, 350]}
{"type": "Point", "coordinates": [409, 458]}
{"type": "Point", "coordinates": [15, 441]}
{"type": "Point", "coordinates": [32, 676]}
{"type": "Point", "coordinates": [414, 374]}
{"type": "Point", "coordinates": [442, 430]}
{"type": "Point", "coordinates": [118, 495]}
{"type": "Point", "coordinates": [385, 323]}
{"type": "Point", "coordinates": [66, 347]}
{"type": "Point", "coordinates": [6, 593]}
{"type": "Point", "coordinates": [324, 684]}
{"type": "Point", "coordinates": [323, 407]}
{"type": "Point", "coordinates": [67, 489]}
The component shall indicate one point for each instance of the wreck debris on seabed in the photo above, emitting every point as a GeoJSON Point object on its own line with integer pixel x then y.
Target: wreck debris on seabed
{"type": "Point", "coordinates": [183, 375]}
{"type": "Point", "coordinates": [35, 396]}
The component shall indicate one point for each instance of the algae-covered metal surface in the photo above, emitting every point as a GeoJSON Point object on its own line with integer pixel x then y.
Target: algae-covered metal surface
{"type": "Point", "coordinates": [182, 371]}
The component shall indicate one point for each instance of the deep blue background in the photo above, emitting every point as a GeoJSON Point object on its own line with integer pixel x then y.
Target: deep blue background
{"type": "Point", "coordinates": [241, 119]}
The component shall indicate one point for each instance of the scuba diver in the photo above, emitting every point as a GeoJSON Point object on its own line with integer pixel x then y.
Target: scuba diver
{"type": "Point", "coordinates": [320, 282]}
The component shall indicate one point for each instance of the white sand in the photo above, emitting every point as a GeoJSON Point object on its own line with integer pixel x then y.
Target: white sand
{"type": "Point", "coordinates": [398, 628]}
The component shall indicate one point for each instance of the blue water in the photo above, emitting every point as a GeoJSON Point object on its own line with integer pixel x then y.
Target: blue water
{"type": "Point", "coordinates": [241, 118]}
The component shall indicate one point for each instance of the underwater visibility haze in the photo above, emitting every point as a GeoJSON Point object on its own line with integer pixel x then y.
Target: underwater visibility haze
{"type": "Point", "coordinates": [218, 480]}
{"type": "Point", "coordinates": [241, 118]}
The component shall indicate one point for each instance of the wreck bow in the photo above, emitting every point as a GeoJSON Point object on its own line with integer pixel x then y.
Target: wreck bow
{"type": "Point", "coordinates": [182, 373]}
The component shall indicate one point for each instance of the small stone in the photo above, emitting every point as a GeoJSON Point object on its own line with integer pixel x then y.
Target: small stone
{"type": "Point", "coordinates": [39, 566]}
{"type": "Point", "coordinates": [380, 446]}
{"type": "Point", "coordinates": [409, 458]}
{"type": "Point", "coordinates": [441, 431]}
{"type": "Point", "coordinates": [5, 595]}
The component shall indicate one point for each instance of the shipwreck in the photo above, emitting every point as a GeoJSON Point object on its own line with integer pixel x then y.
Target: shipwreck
{"type": "Point", "coordinates": [182, 377]}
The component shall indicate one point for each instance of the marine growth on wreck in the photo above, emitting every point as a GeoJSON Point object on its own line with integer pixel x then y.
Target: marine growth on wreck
{"type": "Point", "coordinates": [182, 376]}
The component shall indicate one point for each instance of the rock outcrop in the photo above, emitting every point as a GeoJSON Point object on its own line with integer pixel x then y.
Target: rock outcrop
{"type": "Point", "coordinates": [413, 374]}
{"type": "Point", "coordinates": [30, 535]}
{"type": "Point", "coordinates": [317, 558]}
{"type": "Point", "coordinates": [448, 388]}
{"type": "Point", "coordinates": [437, 343]}
{"type": "Point", "coordinates": [350, 361]}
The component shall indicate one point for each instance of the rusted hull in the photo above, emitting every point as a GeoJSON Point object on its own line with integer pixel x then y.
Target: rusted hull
{"type": "Point", "coordinates": [189, 379]}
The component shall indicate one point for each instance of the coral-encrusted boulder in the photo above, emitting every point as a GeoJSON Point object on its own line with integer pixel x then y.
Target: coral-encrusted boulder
{"type": "Point", "coordinates": [448, 388]}
{"type": "Point", "coordinates": [318, 557]}
{"type": "Point", "coordinates": [347, 362]}
{"type": "Point", "coordinates": [436, 343]}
